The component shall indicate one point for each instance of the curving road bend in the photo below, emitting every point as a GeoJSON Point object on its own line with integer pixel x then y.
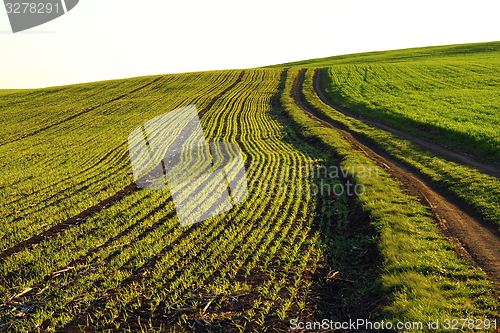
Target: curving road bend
{"type": "Point", "coordinates": [475, 240]}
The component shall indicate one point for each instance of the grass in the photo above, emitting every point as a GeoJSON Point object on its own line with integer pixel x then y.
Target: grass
{"type": "Point", "coordinates": [10, 91]}
{"type": "Point", "coordinates": [472, 52]}
{"type": "Point", "coordinates": [455, 104]}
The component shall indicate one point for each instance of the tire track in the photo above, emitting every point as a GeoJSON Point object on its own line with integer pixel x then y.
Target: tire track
{"type": "Point", "coordinates": [439, 150]}
{"type": "Point", "coordinates": [75, 220]}
{"type": "Point", "coordinates": [475, 239]}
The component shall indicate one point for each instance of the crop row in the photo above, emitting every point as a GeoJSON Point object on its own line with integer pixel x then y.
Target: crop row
{"type": "Point", "coordinates": [133, 256]}
{"type": "Point", "coordinates": [51, 179]}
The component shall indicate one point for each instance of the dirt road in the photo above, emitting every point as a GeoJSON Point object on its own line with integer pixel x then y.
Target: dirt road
{"type": "Point", "coordinates": [475, 240]}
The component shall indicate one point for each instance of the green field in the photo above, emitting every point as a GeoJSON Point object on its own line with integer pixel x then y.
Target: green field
{"type": "Point", "coordinates": [448, 94]}
{"type": "Point", "coordinates": [455, 104]}
{"type": "Point", "coordinates": [113, 258]}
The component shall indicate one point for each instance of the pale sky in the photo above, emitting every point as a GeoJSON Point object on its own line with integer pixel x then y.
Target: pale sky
{"type": "Point", "coordinates": [111, 39]}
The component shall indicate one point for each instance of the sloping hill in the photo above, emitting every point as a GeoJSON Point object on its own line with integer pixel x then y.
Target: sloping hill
{"type": "Point", "coordinates": [82, 248]}
{"type": "Point", "coordinates": [461, 52]}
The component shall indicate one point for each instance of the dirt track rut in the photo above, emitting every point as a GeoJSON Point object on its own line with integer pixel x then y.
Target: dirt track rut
{"type": "Point", "coordinates": [475, 240]}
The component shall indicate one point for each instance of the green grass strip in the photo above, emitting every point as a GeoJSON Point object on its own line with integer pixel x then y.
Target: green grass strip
{"type": "Point", "coordinates": [421, 274]}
